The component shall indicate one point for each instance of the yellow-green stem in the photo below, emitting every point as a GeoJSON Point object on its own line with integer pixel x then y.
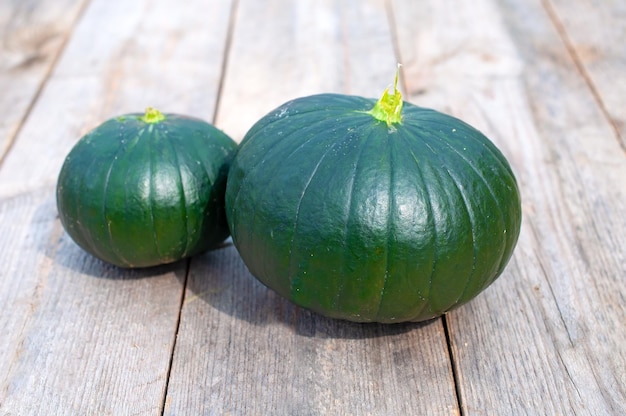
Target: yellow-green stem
{"type": "Point", "coordinates": [389, 106]}
{"type": "Point", "coordinates": [152, 115]}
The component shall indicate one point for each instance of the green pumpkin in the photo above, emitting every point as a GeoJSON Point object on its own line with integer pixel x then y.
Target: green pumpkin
{"type": "Point", "coordinates": [142, 190]}
{"type": "Point", "coordinates": [371, 211]}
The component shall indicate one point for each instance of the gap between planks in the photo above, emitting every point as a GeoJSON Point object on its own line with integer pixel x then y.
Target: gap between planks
{"type": "Point", "coordinates": [453, 365]}
{"type": "Point", "coordinates": [223, 68]}
{"type": "Point", "coordinates": [176, 328]}
{"type": "Point", "coordinates": [571, 50]}
{"type": "Point", "coordinates": [226, 57]}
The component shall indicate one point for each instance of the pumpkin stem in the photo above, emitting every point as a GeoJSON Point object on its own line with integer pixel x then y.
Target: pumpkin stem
{"type": "Point", "coordinates": [389, 106]}
{"type": "Point", "coordinates": [152, 115]}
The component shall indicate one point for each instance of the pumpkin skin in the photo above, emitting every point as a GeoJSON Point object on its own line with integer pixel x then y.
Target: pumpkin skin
{"type": "Point", "coordinates": [138, 192]}
{"type": "Point", "coordinates": [362, 220]}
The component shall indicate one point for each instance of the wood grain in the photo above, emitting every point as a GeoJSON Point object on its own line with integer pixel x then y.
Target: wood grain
{"type": "Point", "coordinates": [548, 337]}
{"type": "Point", "coordinates": [542, 78]}
{"type": "Point", "coordinates": [243, 350]}
{"type": "Point", "coordinates": [594, 32]}
{"type": "Point", "coordinates": [32, 34]}
{"type": "Point", "coordinates": [80, 336]}
{"type": "Point", "coordinates": [83, 337]}
{"type": "Point", "coordinates": [285, 49]}
{"type": "Point", "coordinates": [154, 54]}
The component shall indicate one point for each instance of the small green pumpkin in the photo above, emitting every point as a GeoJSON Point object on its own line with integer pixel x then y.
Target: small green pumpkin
{"type": "Point", "coordinates": [142, 190]}
{"type": "Point", "coordinates": [371, 211]}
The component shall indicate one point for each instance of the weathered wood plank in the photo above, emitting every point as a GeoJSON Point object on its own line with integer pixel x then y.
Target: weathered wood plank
{"type": "Point", "coordinates": [596, 34]}
{"type": "Point", "coordinates": [156, 54]}
{"type": "Point", "coordinates": [79, 336]}
{"type": "Point", "coordinates": [31, 36]}
{"type": "Point", "coordinates": [303, 48]}
{"type": "Point", "coordinates": [252, 352]}
{"type": "Point", "coordinates": [83, 337]}
{"type": "Point", "coordinates": [243, 350]}
{"type": "Point", "coordinates": [548, 337]}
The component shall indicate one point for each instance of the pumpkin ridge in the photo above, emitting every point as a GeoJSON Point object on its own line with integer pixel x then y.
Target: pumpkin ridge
{"type": "Point", "coordinates": [389, 221]}
{"type": "Point", "coordinates": [431, 216]}
{"type": "Point", "coordinates": [129, 147]}
{"type": "Point", "coordinates": [492, 193]}
{"type": "Point", "coordinates": [502, 218]}
{"type": "Point", "coordinates": [183, 197]}
{"type": "Point", "coordinates": [151, 199]}
{"type": "Point", "coordinates": [472, 222]}
{"type": "Point", "coordinates": [211, 180]}
{"type": "Point", "coordinates": [347, 220]}
{"type": "Point", "coordinates": [84, 231]}
{"type": "Point", "coordinates": [474, 249]}
{"type": "Point", "coordinates": [297, 215]}
{"type": "Point", "coordinates": [443, 140]}
{"type": "Point", "coordinates": [206, 169]}
{"type": "Point", "coordinates": [485, 144]}
{"type": "Point", "coordinates": [204, 174]}
{"type": "Point", "coordinates": [262, 125]}
{"type": "Point", "coordinates": [250, 172]}
{"type": "Point", "coordinates": [441, 184]}
{"type": "Point", "coordinates": [104, 203]}
{"type": "Point", "coordinates": [436, 247]}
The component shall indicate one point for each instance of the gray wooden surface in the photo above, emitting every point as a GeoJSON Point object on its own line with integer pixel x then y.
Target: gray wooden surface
{"type": "Point", "coordinates": [544, 79]}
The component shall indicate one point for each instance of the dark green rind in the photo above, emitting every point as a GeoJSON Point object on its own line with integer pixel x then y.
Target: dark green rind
{"type": "Point", "coordinates": [340, 214]}
{"type": "Point", "coordinates": [139, 194]}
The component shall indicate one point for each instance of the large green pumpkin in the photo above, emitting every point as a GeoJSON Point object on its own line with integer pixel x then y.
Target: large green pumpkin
{"type": "Point", "coordinates": [371, 211]}
{"type": "Point", "coordinates": [142, 190]}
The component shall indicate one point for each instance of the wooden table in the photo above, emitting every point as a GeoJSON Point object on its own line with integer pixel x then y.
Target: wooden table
{"type": "Point", "coordinates": [544, 79]}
